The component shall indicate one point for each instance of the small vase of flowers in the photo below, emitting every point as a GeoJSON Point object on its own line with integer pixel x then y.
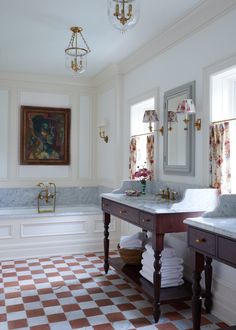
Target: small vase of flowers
{"type": "Point", "coordinates": [143, 175]}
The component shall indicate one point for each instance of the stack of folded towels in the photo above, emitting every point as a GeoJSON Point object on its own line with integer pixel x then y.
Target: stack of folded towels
{"type": "Point", "coordinates": [136, 241]}
{"type": "Point", "coordinates": [171, 266]}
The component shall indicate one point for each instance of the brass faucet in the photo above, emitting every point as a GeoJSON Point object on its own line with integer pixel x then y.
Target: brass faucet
{"type": "Point", "coordinates": [47, 195]}
{"type": "Point", "coordinates": [167, 194]}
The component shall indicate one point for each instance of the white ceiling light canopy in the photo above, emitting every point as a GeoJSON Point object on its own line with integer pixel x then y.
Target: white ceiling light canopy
{"type": "Point", "coordinates": [123, 14]}
{"type": "Point", "coordinates": [76, 52]}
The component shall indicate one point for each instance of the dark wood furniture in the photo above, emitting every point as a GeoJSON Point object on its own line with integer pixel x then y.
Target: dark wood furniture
{"type": "Point", "coordinates": [207, 245]}
{"type": "Point", "coordinates": [159, 224]}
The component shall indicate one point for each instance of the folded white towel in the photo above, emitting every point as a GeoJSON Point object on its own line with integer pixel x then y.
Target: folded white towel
{"type": "Point", "coordinates": [176, 264]}
{"type": "Point", "coordinates": [132, 244]}
{"type": "Point", "coordinates": [165, 268]}
{"type": "Point", "coordinates": [164, 283]}
{"type": "Point", "coordinates": [165, 275]}
{"type": "Point", "coordinates": [133, 241]}
{"type": "Point", "coordinates": [165, 261]}
{"type": "Point", "coordinates": [167, 252]}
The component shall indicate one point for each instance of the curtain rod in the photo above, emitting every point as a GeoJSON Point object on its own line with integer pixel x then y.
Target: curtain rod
{"type": "Point", "coordinates": [150, 133]}
{"type": "Point", "coordinates": [223, 120]}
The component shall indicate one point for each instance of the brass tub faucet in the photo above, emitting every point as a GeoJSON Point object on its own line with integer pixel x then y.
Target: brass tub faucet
{"type": "Point", "coordinates": [46, 197]}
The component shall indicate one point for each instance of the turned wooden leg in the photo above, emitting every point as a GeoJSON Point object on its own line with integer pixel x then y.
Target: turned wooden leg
{"type": "Point", "coordinates": [107, 219]}
{"type": "Point", "coordinates": [157, 244]}
{"type": "Point", "coordinates": [208, 281]}
{"type": "Point", "coordinates": [196, 298]}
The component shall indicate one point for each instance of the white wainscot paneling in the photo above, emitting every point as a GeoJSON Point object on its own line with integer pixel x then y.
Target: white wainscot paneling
{"type": "Point", "coordinates": [3, 133]}
{"type": "Point", "coordinates": [5, 231]}
{"type": "Point", "coordinates": [53, 229]}
{"type": "Point", "coordinates": [45, 99]}
{"type": "Point", "coordinates": [99, 226]}
{"type": "Point", "coordinates": [85, 134]}
{"type": "Point", "coordinates": [26, 171]}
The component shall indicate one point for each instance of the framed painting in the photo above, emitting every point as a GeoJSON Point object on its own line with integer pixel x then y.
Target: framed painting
{"type": "Point", "coordinates": [45, 136]}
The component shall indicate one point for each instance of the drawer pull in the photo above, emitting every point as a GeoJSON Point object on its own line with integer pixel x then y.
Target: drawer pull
{"type": "Point", "coordinates": [200, 240]}
{"type": "Point", "coordinates": [123, 212]}
{"type": "Point", "coordinates": [146, 220]}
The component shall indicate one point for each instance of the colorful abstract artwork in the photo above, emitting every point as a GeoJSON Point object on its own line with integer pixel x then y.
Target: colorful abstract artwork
{"type": "Point", "coordinates": [45, 136]}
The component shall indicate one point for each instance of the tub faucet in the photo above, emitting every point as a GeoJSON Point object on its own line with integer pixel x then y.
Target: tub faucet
{"type": "Point", "coordinates": [46, 197]}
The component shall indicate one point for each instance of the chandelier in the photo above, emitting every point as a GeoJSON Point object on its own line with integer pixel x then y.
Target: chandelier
{"type": "Point", "coordinates": [76, 52]}
{"type": "Point", "coordinates": [123, 14]}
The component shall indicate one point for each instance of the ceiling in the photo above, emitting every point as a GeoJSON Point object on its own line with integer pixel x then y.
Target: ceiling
{"type": "Point", "coordinates": [34, 33]}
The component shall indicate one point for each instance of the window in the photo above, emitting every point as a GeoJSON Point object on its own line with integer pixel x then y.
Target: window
{"type": "Point", "coordinates": [223, 109]}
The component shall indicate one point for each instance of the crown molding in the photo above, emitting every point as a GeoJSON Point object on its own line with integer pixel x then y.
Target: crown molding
{"type": "Point", "coordinates": [35, 78]}
{"type": "Point", "coordinates": [201, 16]}
{"type": "Point", "coordinates": [107, 74]}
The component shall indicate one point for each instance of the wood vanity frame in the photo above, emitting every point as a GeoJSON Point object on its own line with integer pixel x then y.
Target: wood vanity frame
{"type": "Point", "coordinates": [207, 245]}
{"type": "Point", "coordinates": [159, 224]}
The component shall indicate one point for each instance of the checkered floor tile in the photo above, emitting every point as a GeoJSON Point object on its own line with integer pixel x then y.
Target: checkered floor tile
{"type": "Point", "coordinates": [72, 292]}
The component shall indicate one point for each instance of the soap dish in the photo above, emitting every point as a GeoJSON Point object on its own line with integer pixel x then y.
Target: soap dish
{"type": "Point", "coordinates": [134, 193]}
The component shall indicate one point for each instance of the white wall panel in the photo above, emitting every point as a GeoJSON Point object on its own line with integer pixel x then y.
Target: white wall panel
{"type": "Point", "coordinates": [3, 133]}
{"type": "Point", "coordinates": [5, 231]}
{"type": "Point", "coordinates": [53, 229]}
{"type": "Point", "coordinates": [45, 99]}
{"type": "Point", "coordinates": [85, 138]}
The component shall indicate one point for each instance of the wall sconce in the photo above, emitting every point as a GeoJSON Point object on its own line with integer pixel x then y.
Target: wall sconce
{"type": "Point", "coordinates": [150, 116]}
{"type": "Point", "coordinates": [102, 133]}
{"type": "Point", "coordinates": [187, 106]}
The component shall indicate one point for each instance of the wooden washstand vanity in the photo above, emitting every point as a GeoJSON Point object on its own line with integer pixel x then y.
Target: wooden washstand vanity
{"type": "Point", "coordinates": [159, 220]}
{"type": "Point", "coordinates": [209, 238]}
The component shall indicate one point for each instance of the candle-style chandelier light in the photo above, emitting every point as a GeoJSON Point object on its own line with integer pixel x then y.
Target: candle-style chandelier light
{"type": "Point", "coordinates": [123, 14]}
{"type": "Point", "coordinates": [76, 52]}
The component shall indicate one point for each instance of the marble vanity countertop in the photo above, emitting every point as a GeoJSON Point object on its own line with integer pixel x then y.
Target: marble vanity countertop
{"type": "Point", "coordinates": [152, 203]}
{"type": "Point", "coordinates": [149, 202]}
{"type": "Point", "coordinates": [225, 226]}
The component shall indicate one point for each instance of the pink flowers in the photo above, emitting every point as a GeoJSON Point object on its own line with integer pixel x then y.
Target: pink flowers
{"type": "Point", "coordinates": [143, 174]}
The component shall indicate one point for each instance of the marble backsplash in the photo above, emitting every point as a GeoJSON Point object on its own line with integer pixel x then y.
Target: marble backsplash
{"type": "Point", "coordinates": [27, 197]}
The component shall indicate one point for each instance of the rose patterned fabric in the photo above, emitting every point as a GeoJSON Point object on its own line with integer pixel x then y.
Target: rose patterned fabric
{"type": "Point", "coordinates": [220, 157]}
{"type": "Point", "coordinates": [132, 157]}
{"type": "Point", "coordinates": [150, 153]}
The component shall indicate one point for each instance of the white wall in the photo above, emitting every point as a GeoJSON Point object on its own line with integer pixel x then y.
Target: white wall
{"type": "Point", "coordinates": [15, 92]}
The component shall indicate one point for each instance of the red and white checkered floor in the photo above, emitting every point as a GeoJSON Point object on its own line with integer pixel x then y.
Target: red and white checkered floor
{"type": "Point", "coordinates": [72, 292]}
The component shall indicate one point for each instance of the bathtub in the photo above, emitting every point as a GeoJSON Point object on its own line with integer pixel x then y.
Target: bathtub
{"type": "Point", "coordinates": [71, 229]}
{"type": "Point", "coordinates": [27, 212]}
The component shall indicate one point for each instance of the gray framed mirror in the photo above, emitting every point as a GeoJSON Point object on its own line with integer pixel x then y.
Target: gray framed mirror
{"type": "Point", "coordinates": [179, 137]}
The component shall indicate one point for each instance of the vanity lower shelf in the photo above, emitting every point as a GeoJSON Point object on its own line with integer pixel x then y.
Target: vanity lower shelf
{"type": "Point", "coordinates": [182, 292]}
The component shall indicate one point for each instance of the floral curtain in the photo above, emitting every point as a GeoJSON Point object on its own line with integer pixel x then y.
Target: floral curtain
{"type": "Point", "coordinates": [220, 157]}
{"type": "Point", "coordinates": [150, 153]}
{"type": "Point", "coordinates": [132, 157]}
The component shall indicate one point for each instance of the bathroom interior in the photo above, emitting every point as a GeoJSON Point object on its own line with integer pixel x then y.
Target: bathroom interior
{"type": "Point", "coordinates": [138, 161]}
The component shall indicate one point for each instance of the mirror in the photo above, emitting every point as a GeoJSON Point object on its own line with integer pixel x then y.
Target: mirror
{"type": "Point", "coordinates": [179, 137]}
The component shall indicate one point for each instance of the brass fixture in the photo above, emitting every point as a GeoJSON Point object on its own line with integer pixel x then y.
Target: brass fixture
{"type": "Point", "coordinates": [123, 14]}
{"type": "Point", "coordinates": [198, 124]}
{"type": "Point", "coordinates": [46, 197]}
{"type": "Point", "coordinates": [102, 133]}
{"type": "Point", "coordinates": [161, 130]}
{"type": "Point", "coordinates": [76, 54]}
{"type": "Point", "coordinates": [150, 116]}
{"type": "Point", "coordinates": [167, 194]}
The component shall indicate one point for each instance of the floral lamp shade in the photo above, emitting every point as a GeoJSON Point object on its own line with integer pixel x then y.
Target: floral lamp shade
{"type": "Point", "coordinates": [186, 106]}
{"type": "Point", "coordinates": [150, 116]}
{"type": "Point", "coordinates": [172, 118]}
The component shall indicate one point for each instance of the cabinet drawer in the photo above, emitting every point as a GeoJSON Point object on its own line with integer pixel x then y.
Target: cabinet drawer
{"type": "Point", "coordinates": [226, 250]}
{"type": "Point", "coordinates": [126, 212]}
{"type": "Point", "coordinates": [146, 220]}
{"type": "Point", "coordinates": [106, 205]}
{"type": "Point", "coordinates": [202, 241]}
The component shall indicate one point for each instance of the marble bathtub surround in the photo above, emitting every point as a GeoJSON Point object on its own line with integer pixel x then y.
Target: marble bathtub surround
{"type": "Point", "coordinates": [27, 197]}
